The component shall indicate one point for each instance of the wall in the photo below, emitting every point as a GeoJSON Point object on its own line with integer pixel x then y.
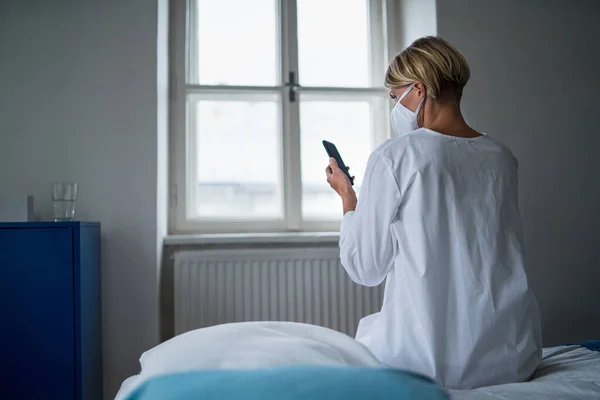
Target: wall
{"type": "Point", "coordinates": [535, 86]}
{"type": "Point", "coordinates": [78, 101]}
{"type": "Point", "coordinates": [417, 19]}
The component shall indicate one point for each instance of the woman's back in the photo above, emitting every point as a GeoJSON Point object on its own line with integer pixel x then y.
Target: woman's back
{"type": "Point", "coordinates": [457, 304]}
{"type": "Point", "coordinates": [438, 219]}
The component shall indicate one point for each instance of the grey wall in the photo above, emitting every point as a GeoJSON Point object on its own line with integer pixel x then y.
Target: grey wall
{"type": "Point", "coordinates": [417, 19]}
{"type": "Point", "coordinates": [78, 101]}
{"type": "Point", "coordinates": [535, 84]}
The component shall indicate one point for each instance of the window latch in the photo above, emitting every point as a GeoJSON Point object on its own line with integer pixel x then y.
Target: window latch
{"type": "Point", "coordinates": [293, 86]}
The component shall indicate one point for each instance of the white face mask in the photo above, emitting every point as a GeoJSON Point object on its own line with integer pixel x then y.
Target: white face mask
{"type": "Point", "coordinates": [404, 120]}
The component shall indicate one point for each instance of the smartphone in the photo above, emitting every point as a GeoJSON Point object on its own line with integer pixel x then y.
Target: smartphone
{"type": "Point", "coordinates": [332, 151]}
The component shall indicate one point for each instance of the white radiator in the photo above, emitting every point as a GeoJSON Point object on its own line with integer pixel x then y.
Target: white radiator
{"type": "Point", "coordinates": [303, 285]}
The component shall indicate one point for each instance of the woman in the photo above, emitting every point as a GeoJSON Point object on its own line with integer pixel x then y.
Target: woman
{"type": "Point", "coordinates": [438, 219]}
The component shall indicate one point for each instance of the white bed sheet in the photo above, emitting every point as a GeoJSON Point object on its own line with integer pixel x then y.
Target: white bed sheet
{"type": "Point", "coordinates": [565, 373]}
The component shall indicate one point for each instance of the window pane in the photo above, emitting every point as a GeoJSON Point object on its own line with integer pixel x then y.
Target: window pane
{"type": "Point", "coordinates": [237, 159]}
{"type": "Point", "coordinates": [348, 125]}
{"type": "Point", "coordinates": [237, 42]}
{"type": "Point", "coordinates": [333, 43]}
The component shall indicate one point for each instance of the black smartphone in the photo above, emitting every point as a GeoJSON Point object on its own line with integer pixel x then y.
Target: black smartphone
{"type": "Point", "coordinates": [332, 151]}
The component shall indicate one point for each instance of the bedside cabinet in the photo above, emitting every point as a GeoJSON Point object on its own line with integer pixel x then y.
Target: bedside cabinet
{"type": "Point", "coordinates": [50, 333]}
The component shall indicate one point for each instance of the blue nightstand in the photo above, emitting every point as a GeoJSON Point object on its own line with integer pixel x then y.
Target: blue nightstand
{"type": "Point", "coordinates": [50, 309]}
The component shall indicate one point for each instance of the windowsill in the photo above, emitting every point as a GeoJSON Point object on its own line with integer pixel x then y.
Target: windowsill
{"type": "Point", "coordinates": [253, 238]}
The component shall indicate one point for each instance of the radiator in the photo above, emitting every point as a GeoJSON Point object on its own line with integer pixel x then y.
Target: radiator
{"type": "Point", "coordinates": [302, 285]}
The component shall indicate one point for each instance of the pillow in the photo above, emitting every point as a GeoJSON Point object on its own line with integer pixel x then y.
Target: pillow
{"type": "Point", "coordinates": [255, 345]}
{"type": "Point", "coordinates": [251, 345]}
{"type": "Point", "coordinates": [291, 383]}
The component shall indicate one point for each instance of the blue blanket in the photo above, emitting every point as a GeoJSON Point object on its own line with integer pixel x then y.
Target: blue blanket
{"type": "Point", "coordinates": [291, 383]}
{"type": "Point", "coordinates": [590, 345]}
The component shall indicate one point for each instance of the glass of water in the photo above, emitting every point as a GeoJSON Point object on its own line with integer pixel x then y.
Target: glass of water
{"type": "Point", "coordinates": [64, 199]}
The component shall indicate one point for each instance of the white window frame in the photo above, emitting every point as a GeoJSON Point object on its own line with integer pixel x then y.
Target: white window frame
{"type": "Point", "coordinates": [384, 16]}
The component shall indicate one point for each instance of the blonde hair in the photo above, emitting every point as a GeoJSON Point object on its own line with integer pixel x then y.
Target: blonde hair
{"type": "Point", "coordinates": [433, 61]}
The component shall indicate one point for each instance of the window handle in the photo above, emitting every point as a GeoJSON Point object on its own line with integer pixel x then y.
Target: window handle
{"type": "Point", "coordinates": [293, 86]}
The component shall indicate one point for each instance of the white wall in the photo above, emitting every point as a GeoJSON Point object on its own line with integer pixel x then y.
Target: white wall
{"type": "Point", "coordinates": [535, 84]}
{"type": "Point", "coordinates": [78, 101]}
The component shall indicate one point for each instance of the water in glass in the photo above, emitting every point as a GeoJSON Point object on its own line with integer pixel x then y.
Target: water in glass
{"type": "Point", "coordinates": [64, 210]}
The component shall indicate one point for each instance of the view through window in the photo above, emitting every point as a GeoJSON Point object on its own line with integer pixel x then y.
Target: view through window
{"type": "Point", "coordinates": [254, 135]}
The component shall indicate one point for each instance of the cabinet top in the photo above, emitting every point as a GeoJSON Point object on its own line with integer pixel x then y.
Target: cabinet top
{"type": "Point", "coordinates": [49, 224]}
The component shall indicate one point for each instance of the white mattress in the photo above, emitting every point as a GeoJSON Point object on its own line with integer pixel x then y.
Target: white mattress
{"type": "Point", "coordinates": [565, 373]}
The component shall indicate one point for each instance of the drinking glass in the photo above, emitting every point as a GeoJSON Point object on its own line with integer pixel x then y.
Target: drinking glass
{"type": "Point", "coordinates": [64, 200]}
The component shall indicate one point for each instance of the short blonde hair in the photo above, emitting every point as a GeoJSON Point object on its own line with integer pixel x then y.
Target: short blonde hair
{"type": "Point", "coordinates": [433, 61]}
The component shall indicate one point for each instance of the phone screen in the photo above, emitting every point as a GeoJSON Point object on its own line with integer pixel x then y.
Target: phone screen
{"type": "Point", "coordinates": [332, 151]}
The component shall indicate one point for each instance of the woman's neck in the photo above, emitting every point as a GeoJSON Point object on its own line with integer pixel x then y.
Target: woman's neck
{"type": "Point", "coordinates": [447, 119]}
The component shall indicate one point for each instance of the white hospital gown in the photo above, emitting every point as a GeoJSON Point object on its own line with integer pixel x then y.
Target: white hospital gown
{"type": "Point", "coordinates": [438, 219]}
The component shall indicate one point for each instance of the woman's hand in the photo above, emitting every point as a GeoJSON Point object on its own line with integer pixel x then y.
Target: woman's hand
{"type": "Point", "coordinates": [339, 182]}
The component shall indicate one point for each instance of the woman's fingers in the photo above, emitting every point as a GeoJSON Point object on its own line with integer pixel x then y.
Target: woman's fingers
{"type": "Point", "coordinates": [328, 172]}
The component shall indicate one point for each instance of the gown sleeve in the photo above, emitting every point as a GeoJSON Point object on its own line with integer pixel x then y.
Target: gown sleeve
{"type": "Point", "coordinates": [367, 246]}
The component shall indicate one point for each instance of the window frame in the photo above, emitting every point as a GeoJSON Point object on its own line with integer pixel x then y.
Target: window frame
{"type": "Point", "coordinates": [181, 143]}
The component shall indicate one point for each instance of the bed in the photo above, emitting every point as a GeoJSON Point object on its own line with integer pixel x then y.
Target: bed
{"type": "Point", "coordinates": [261, 360]}
{"type": "Point", "coordinates": [566, 372]}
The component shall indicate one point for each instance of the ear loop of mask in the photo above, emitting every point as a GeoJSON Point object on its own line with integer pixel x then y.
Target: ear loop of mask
{"type": "Point", "coordinates": [406, 92]}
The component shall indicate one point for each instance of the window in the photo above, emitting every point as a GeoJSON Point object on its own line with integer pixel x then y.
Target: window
{"type": "Point", "coordinates": [256, 86]}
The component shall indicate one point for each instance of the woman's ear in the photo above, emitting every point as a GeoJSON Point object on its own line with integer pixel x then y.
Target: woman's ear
{"type": "Point", "coordinates": [420, 89]}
